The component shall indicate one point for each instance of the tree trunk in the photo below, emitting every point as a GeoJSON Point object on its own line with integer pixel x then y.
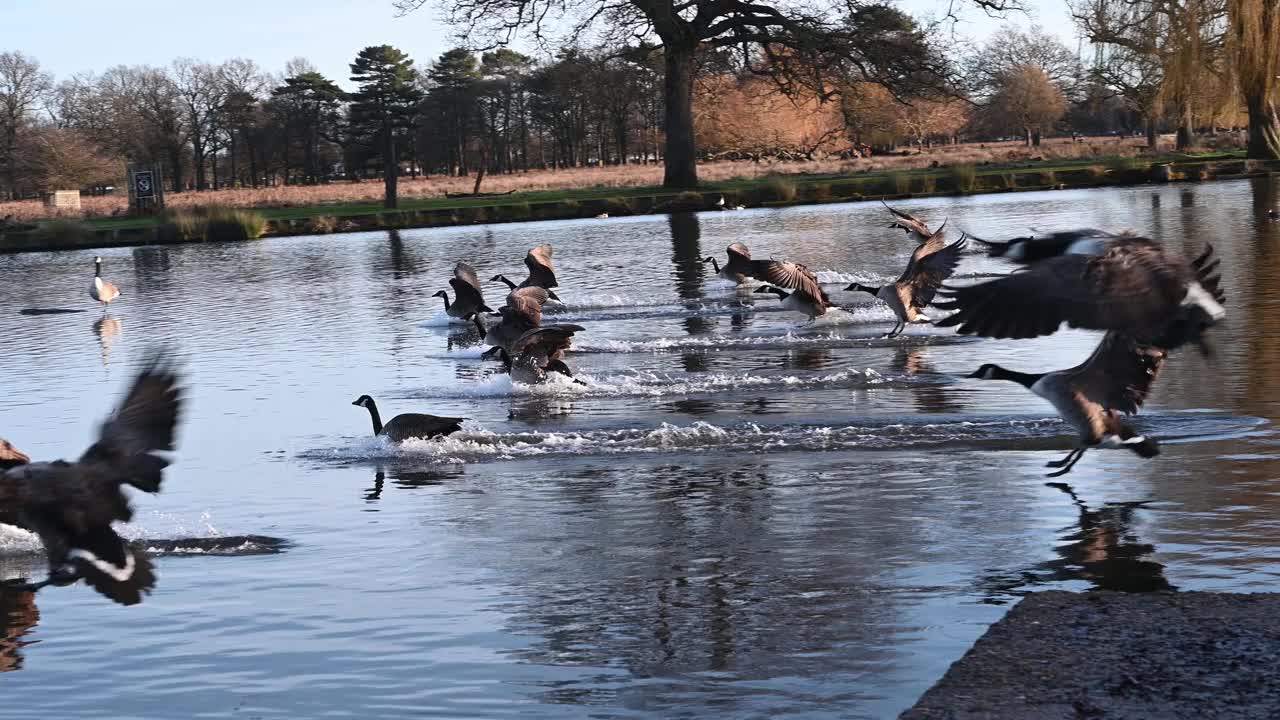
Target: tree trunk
{"type": "Point", "coordinates": [1152, 137]}
{"type": "Point", "coordinates": [1035, 138]}
{"type": "Point", "coordinates": [391, 170]}
{"type": "Point", "coordinates": [175, 168]}
{"type": "Point", "coordinates": [681, 167]}
{"type": "Point", "coordinates": [1186, 125]}
{"type": "Point", "coordinates": [1027, 134]}
{"type": "Point", "coordinates": [1261, 120]}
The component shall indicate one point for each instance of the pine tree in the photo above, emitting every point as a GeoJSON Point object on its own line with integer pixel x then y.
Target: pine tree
{"type": "Point", "coordinates": [386, 102]}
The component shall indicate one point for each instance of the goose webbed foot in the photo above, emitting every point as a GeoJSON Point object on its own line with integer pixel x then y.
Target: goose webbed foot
{"type": "Point", "coordinates": [896, 331]}
{"type": "Point", "coordinates": [491, 354]}
{"type": "Point", "coordinates": [1065, 463]}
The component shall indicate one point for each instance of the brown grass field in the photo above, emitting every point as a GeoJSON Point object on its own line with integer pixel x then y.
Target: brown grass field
{"type": "Point", "coordinates": [628, 176]}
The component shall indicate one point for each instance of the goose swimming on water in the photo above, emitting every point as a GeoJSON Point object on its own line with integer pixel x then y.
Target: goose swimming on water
{"type": "Point", "coordinates": [1137, 287]}
{"type": "Point", "coordinates": [71, 505]}
{"type": "Point", "coordinates": [101, 290]}
{"type": "Point", "coordinates": [930, 265]}
{"type": "Point", "coordinates": [468, 298]}
{"type": "Point", "coordinates": [1092, 397]}
{"type": "Point", "coordinates": [408, 426]}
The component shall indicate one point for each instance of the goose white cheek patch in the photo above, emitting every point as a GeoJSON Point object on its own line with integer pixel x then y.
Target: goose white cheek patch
{"type": "Point", "coordinates": [118, 574]}
{"type": "Point", "coordinates": [1197, 295]}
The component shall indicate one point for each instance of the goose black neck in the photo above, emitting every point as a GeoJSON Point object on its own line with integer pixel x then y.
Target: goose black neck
{"type": "Point", "coordinates": [97, 268]}
{"type": "Point", "coordinates": [475, 319]}
{"type": "Point", "coordinates": [874, 290]}
{"type": "Point", "coordinates": [445, 296]}
{"type": "Point", "coordinates": [1024, 379]}
{"type": "Point", "coordinates": [506, 280]}
{"type": "Point", "coordinates": [714, 265]}
{"type": "Point", "coordinates": [779, 292]}
{"type": "Point", "coordinates": [377, 419]}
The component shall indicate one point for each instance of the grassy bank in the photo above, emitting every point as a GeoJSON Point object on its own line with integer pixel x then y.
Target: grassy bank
{"type": "Point", "coordinates": [767, 191]}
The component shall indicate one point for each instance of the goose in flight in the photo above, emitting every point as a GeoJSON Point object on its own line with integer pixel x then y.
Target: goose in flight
{"type": "Point", "coordinates": [71, 505]}
{"type": "Point", "coordinates": [931, 264]}
{"type": "Point", "coordinates": [468, 298]}
{"type": "Point", "coordinates": [1094, 396]}
{"type": "Point", "coordinates": [1137, 287]}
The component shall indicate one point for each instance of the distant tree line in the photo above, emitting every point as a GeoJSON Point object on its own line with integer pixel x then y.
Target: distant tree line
{"type": "Point", "coordinates": [762, 81]}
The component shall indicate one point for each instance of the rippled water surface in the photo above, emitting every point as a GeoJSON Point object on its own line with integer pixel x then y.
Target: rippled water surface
{"type": "Point", "coordinates": [739, 514]}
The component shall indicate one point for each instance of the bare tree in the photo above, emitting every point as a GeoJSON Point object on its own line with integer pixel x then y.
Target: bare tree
{"type": "Point", "coordinates": [23, 87]}
{"type": "Point", "coordinates": [1027, 101]}
{"type": "Point", "coordinates": [201, 93]}
{"type": "Point", "coordinates": [805, 42]}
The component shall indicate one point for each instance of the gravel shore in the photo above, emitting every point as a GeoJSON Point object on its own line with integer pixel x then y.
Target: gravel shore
{"type": "Point", "coordinates": [1156, 656]}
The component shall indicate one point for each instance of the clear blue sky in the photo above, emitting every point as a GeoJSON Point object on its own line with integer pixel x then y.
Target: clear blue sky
{"type": "Point", "coordinates": [69, 36]}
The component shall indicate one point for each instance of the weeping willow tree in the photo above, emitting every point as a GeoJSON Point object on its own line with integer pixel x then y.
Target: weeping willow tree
{"type": "Point", "coordinates": [1255, 48]}
{"type": "Point", "coordinates": [1158, 54]}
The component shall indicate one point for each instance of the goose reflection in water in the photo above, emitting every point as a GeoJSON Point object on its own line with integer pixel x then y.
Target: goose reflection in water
{"type": "Point", "coordinates": [1100, 548]}
{"type": "Point", "coordinates": [409, 479]}
{"type": "Point", "coordinates": [18, 614]}
{"type": "Point", "coordinates": [107, 329]}
{"type": "Point", "coordinates": [929, 398]}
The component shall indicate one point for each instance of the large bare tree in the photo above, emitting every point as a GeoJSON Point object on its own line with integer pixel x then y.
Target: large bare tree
{"type": "Point", "coordinates": [798, 42]}
{"type": "Point", "coordinates": [23, 87]}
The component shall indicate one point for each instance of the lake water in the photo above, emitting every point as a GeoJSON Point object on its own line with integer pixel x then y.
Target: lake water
{"type": "Point", "coordinates": [740, 514]}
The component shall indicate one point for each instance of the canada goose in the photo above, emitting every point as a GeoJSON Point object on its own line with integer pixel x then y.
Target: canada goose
{"type": "Point", "coordinates": [71, 505]}
{"type": "Point", "coordinates": [799, 300]}
{"type": "Point", "coordinates": [928, 267]}
{"type": "Point", "coordinates": [507, 281]}
{"type": "Point", "coordinates": [408, 426]}
{"type": "Point", "coordinates": [538, 352]}
{"type": "Point", "coordinates": [468, 298]}
{"type": "Point", "coordinates": [11, 456]}
{"type": "Point", "coordinates": [914, 226]}
{"type": "Point", "coordinates": [1085, 241]}
{"type": "Point", "coordinates": [1137, 287]}
{"type": "Point", "coordinates": [101, 290]}
{"type": "Point", "coordinates": [739, 268]}
{"type": "Point", "coordinates": [1092, 396]}
{"type": "Point", "coordinates": [522, 313]}
{"type": "Point", "coordinates": [602, 216]}
{"type": "Point", "coordinates": [541, 272]}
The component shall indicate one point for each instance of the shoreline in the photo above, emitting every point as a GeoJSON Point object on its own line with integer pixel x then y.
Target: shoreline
{"type": "Point", "coordinates": [1107, 654]}
{"type": "Point", "coordinates": [775, 192]}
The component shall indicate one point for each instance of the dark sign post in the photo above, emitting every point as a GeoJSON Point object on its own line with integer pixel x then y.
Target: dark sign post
{"type": "Point", "coordinates": [146, 196]}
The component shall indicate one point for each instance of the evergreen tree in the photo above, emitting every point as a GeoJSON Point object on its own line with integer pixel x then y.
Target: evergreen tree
{"type": "Point", "coordinates": [385, 103]}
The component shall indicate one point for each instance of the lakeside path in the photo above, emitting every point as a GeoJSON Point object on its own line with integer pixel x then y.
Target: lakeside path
{"type": "Point", "coordinates": [1066, 656]}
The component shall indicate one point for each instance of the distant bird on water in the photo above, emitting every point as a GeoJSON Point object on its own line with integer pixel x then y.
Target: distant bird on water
{"type": "Point", "coordinates": [71, 505]}
{"type": "Point", "coordinates": [101, 290]}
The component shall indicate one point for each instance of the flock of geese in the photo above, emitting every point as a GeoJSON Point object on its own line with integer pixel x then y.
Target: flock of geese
{"type": "Point", "coordinates": [1147, 299]}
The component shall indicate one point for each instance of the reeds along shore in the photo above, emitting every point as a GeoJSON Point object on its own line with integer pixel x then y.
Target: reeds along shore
{"type": "Point", "coordinates": [212, 224]}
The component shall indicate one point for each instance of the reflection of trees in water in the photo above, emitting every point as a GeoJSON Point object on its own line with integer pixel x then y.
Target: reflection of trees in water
{"type": "Point", "coordinates": [700, 569]}
{"type": "Point", "coordinates": [1100, 548]}
{"type": "Point", "coordinates": [18, 614]}
{"type": "Point", "coordinates": [686, 254]}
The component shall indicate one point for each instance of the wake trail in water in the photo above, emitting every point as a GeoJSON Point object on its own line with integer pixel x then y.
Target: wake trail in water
{"type": "Point", "coordinates": [655, 384]}
{"type": "Point", "coordinates": [476, 444]}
